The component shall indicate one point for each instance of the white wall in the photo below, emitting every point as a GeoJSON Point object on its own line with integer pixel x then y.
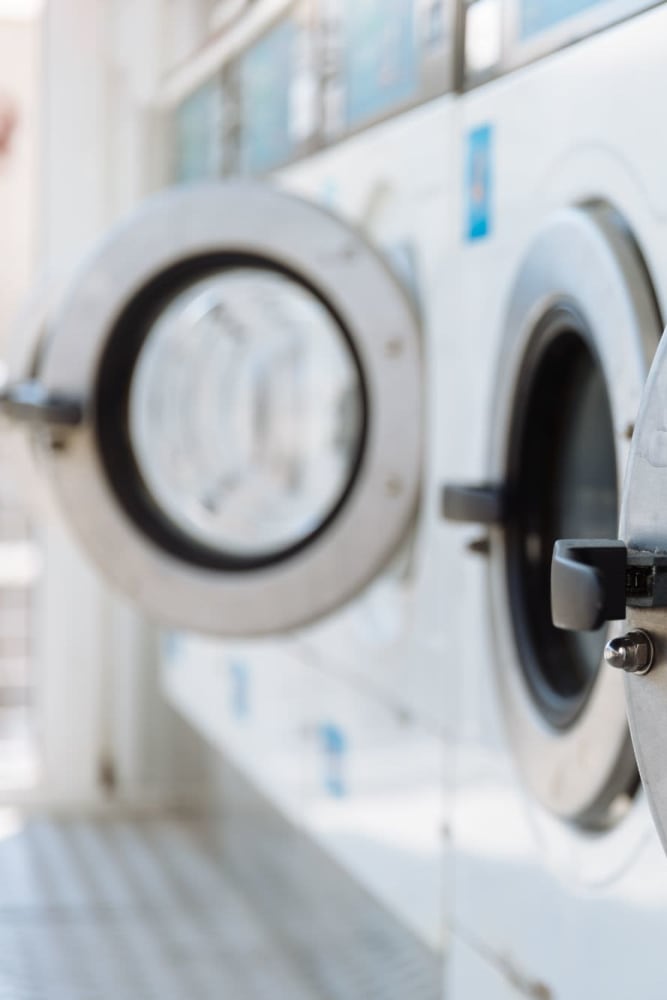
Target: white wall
{"type": "Point", "coordinates": [19, 89]}
{"type": "Point", "coordinates": [100, 710]}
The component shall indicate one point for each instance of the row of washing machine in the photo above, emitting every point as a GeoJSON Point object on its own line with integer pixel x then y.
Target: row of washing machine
{"type": "Point", "coordinates": [394, 460]}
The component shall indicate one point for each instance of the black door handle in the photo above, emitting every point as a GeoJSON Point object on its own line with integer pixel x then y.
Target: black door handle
{"type": "Point", "coordinates": [588, 583]}
{"type": "Point", "coordinates": [480, 504]}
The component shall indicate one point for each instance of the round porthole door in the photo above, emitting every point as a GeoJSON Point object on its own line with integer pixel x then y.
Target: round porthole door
{"type": "Point", "coordinates": [643, 529]}
{"type": "Point", "coordinates": [228, 407]}
{"type": "Point", "coordinates": [580, 331]}
{"type": "Point", "coordinates": [625, 581]}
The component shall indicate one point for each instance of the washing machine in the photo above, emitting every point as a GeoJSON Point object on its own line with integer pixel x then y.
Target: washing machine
{"type": "Point", "coordinates": [364, 719]}
{"type": "Point", "coordinates": [340, 723]}
{"type": "Point", "coordinates": [560, 879]}
{"type": "Point", "coordinates": [381, 160]}
{"type": "Point", "coordinates": [240, 313]}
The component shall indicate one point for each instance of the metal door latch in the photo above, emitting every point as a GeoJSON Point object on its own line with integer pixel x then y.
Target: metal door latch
{"type": "Point", "coordinates": [29, 402]}
{"type": "Point", "coordinates": [594, 581]}
{"type": "Point", "coordinates": [475, 504]}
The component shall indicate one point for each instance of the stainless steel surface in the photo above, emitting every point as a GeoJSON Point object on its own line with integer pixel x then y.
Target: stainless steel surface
{"type": "Point", "coordinates": [644, 526]}
{"type": "Point", "coordinates": [585, 256]}
{"type": "Point", "coordinates": [632, 652]}
{"type": "Point", "coordinates": [245, 218]}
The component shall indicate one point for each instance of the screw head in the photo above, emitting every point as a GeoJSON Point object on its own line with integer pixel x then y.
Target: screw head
{"type": "Point", "coordinates": [632, 653]}
{"type": "Point", "coordinates": [394, 347]}
{"type": "Point", "coordinates": [394, 486]}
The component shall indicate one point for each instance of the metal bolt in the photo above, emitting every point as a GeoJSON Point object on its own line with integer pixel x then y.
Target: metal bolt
{"type": "Point", "coordinates": [394, 486]}
{"type": "Point", "coordinates": [394, 347]}
{"type": "Point", "coordinates": [632, 652]}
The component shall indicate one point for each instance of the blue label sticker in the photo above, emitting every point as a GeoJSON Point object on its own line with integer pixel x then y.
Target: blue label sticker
{"type": "Point", "coordinates": [536, 16]}
{"type": "Point", "coordinates": [329, 193]}
{"type": "Point", "coordinates": [239, 689]}
{"type": "Point", "coordinates": [479, 187]}
{"type": "Point", "coordinates": [171, 646]}
{"type": "Point", "coordinates": [334, 747]}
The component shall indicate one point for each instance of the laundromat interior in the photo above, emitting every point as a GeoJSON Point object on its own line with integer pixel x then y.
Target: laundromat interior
{"type": "Point", "coordinates": [333, 500]}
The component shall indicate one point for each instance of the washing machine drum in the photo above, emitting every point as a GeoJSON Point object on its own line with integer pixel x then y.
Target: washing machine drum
{"type": "Point", "coordinates": [580, 331]}
{"type": "Point", "coordinates": [228, 407]}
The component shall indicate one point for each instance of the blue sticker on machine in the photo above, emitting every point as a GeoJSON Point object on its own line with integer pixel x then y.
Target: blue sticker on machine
{"type": "Point", "coordinates": [171, 645]}
{"type": "Point", "coordinates": [536, 16]}
{"type": "Point", "coordinates": [479, 170]}
{"type": "Point", "coordinates": [334, 747]}
{"type": "Point", "coordinates": [239, 701]}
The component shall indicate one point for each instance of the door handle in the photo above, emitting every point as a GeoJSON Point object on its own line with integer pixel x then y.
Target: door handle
{"type": "Point", "coordinates": [588, 583]}
{"type": "Point", "coordinates": [474, 504]}
{"type": "Point", "coordinates": [593, 581]}
{"type": "Point", "coordinates": [30, 402]}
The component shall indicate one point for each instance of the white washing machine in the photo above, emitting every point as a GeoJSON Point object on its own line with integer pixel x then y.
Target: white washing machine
{"type": "Point", "coordinates": [393, 183]}
{"type": "Point", "coordinates": [384, 166]}
{"type": "Point", "coordinates": [560, 880]}
{"type": "Point", "coordinates": [340, 725]}
{"type": "Point", "coordinates": [367, 709]}
{"type": "Point", "coordinates": [166, 345]}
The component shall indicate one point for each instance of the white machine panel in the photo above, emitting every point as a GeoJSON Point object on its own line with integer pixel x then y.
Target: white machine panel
{"type": "Point", "coordinates": [363, 780]}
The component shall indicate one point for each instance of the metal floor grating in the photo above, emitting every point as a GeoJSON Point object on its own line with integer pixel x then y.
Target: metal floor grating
{"type": "Point", "coordinates": [143, 909]}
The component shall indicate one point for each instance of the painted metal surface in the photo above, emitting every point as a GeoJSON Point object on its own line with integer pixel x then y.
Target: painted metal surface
{"type": "Point", "coordinates": [644, 526]}
{"type": "Point", "coordinates": [348, 769]}
{"type": "Point", "coordinates": [343, 723]}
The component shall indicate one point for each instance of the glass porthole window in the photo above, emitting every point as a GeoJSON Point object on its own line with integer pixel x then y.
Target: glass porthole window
{"type": "Point", "coordinates": [246, 413]}
{"type": "Point", "coordinates": [564, 485]}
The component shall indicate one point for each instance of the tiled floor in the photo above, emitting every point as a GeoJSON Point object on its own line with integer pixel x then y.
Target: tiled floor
{"type": "Point", "coordinates": [109, 910]}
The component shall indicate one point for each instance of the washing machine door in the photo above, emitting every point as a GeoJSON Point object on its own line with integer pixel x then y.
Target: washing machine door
{"type": "Point", "coordinates": [228, 408]}
{"type": "Point", "coordinates": [627, 579]}
{"type": "Point", "coordinates": [581, 327]}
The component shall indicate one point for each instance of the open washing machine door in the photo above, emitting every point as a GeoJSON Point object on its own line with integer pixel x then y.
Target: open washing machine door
{"type": "Point", "coordinates": [627, 579]}
{"type": "Point", "coordinates": [581, 328]}
{"type": "Point", "coordinates": [228, 409]}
